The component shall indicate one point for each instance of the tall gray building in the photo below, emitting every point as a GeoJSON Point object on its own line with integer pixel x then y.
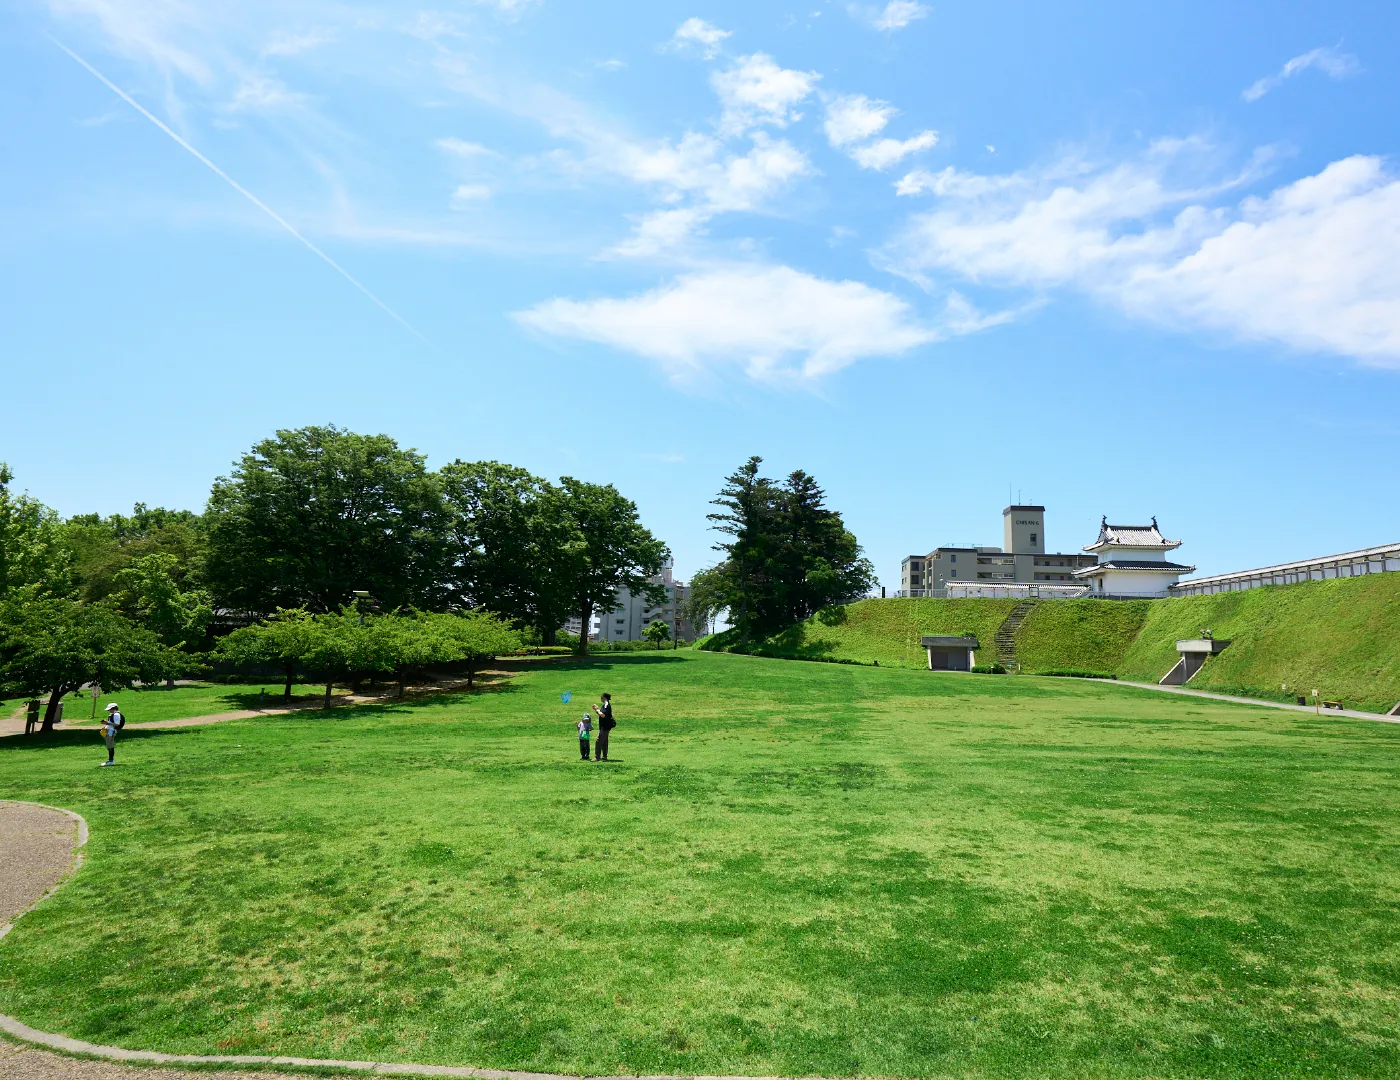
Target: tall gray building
{"type": "Point", "coordinates": [1021, 558]}
{"type": "Point", "coordinates": [632, 614]}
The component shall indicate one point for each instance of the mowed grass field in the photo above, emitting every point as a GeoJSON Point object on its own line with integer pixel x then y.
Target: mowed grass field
{"type": "Point", "coordinates": [791, 868]}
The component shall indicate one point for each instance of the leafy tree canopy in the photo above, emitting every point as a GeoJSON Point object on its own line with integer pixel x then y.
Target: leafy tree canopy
{"type": "Point", "coordinates": [310, 516]}
{"type": "Point", "coordinates": [510, 543]}
{"type": "Point", "coordinates": [32, 551]}
{"type": "Point", "coordinates": [55, 645]}
{"type": "Point", "coordinates": [609, 549]}
{"type": "Point", "coordinates": [787, 555]}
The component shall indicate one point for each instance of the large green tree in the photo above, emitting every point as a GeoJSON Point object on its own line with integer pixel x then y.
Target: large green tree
{"type": "Point", "coordinates": [307, 518]}
{"type": "Point", "coordinates": [788, 555]}
{"type": "Point", "coordinates": [104, 547]}
{"type": "Point", "coordinates": [510, 543]}
{"type": "Point", "coordinates": [607, 549]}
{"type": "Point", "coordinates": [54, 645]}
{"type": "Point", "coordinates": [32, 548]}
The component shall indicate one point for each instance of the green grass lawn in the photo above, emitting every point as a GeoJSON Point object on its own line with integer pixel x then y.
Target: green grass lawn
{"type": "Point", "coordinates": [791, 868]}
{"type": "Point", "coordinates": [144, 704]}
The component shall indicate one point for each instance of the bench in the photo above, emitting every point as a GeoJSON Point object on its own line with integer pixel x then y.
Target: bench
{"type": "Point", "coordinates": [1333, 705]}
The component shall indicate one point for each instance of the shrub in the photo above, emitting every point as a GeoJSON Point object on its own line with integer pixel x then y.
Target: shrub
{"type": "Point", "coordinates": [1077, 673]}
{"type": "Point", "coordinates": [989, 669]}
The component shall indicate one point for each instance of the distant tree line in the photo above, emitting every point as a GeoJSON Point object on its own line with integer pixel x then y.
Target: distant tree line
{"type": "Point", "coordinates": [344, 538]}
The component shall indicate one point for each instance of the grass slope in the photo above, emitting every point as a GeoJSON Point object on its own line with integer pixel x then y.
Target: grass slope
{"type": "Point", "coordinates": [883, 630]}
{"type": "Point", "coordinates": [792, 869]}
{"type": "Point", "coordinates": [1341, 636]}
{"type": "Point", "coordinates": [1093, 635]}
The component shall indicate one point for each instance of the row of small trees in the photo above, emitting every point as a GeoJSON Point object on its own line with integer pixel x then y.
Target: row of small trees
{"type": "Point", "coordinates": [350, 646]}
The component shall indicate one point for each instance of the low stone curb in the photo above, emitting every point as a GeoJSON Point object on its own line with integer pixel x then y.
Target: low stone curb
{"type": "Point", "coordinates": [47, 1039]}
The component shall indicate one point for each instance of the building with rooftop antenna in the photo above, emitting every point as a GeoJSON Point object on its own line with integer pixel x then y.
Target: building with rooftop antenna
{"type": "Point", "coordinates": [1132, 561]}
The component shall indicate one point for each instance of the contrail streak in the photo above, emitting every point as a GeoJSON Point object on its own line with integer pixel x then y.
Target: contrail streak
{"type": "Point", "coordinates": [273, 214]}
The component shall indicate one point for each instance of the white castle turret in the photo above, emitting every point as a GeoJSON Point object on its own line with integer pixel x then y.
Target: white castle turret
{"type": "Point", "coordinates": [1132, 561]}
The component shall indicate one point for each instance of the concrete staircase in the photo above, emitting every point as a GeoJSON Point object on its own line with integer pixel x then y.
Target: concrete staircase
{"type": "Point", "coordinates": [1006, 635]}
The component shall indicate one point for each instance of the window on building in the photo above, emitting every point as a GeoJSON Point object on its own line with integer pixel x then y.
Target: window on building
{"type": "Point", "coordinates": [1033, 536]}
{"type": "Point", "coordinates": [952, 558]}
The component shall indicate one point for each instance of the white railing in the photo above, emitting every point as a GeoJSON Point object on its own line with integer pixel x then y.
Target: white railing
{"type": "Point", "coordinates": [1376, 560]}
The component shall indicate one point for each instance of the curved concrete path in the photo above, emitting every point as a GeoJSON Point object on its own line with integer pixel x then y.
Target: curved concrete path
{"type": "Point", "coordinates": [1190, 691]}
{"type": "Point", "coordinates": [39, 847]}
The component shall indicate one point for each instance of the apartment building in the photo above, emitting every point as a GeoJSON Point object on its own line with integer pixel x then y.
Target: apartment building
{"type": "Point", "coordinates": [632, 614]}
{"type": "Point", "coordinates": [1021, 558]}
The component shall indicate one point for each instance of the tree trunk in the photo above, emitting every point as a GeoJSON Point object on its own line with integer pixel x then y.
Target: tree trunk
{"type": "Point", "coordinates": [585, 618]}
{"type": "Point", "coordinates": [287, 693]}
{"type": "Point", "coordinates": [549, 635]}
{"type": "Point", "coordinates": [327, 704]}
{"type": "Point", "coordinates": [51, 713]}
{"type": "Point", "coordinates": [471, 673]}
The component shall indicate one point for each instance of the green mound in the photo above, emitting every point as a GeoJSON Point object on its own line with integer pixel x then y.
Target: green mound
{"type": "Point", "coordinates": [887, 631]}
{"type": "Point", "coordinates": [1341, 637]}
{"type": "Point", "coordinates": [1080, 635]}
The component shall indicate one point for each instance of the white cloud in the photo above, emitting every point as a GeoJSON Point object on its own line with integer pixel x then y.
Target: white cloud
{"type": "Point", "coordinates": [773, 321]}
{"type": "Point", "coordinates": [883, 153]}
{"type": "Point", "coordinates": [146, 31]}
{"type": "Point", "coordinates": [610, 65]}
{"type": "Point", "coordinates": [898, 14]}
{"type": "Point", "coordinates": [259, 93]}
{"type": "Point", "coordinates": [854, 117]}
{"type": "Point", "coordinates": [468, 195]}
{"type": "Point", "coordinates": [661, 232]}
{"type": "Point", "coordinates": [700, 168]}
{"type": "Point", "coordinates": [757, 91]}
{"type": "Point", "coordinates": [1329, 61]}
{"type": "Point", "coordinates": [296, 44]}
{"type": "Point", "coordinates": [700, 34]}
{"type": "Point", "coordinates": [1315, 265]}
{"type": "Point", "coordinates": [463, 149]}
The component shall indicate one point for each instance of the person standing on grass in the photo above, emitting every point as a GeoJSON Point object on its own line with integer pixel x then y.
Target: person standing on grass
{"type": "Point", "coordinates": [605, 725]}
{"type": "Point", "coordinates": [112, 723]}
{"type": "Point", "coordinates": [585, 729]}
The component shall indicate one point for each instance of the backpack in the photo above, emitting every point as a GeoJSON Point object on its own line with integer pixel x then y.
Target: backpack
{"type": "Point", "coordinates": [120, 720]}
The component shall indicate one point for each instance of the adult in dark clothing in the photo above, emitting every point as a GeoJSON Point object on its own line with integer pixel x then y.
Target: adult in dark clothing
{"type": "Point", "coordinates": [605, 726]}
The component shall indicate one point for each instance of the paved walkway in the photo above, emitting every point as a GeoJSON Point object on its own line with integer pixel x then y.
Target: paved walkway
{"type": "Point", "coordinates": [1189, 692]}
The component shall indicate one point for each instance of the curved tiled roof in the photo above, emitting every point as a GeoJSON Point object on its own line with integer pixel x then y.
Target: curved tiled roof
{"type": "Point", "coordinates": [1131, 536]}
{"type": "Point", "coordinates": [1159, 565]}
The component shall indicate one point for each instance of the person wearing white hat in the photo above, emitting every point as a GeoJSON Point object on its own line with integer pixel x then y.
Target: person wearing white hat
{"type": "Point", "coordinates": [111, 724]}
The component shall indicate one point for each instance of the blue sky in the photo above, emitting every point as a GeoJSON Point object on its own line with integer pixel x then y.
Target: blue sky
{"type": "Point", "coordinates": [1116, 259]}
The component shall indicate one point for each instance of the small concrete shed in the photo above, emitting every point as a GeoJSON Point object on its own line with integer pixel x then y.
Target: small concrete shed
{"type": "Point", "coordinates": [951, 653]}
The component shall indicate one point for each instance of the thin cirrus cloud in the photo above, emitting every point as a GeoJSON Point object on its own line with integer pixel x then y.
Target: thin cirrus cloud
{"type": "Point", "coordinates": [1314, 265]}
{"type": "Point", "coordinates": [897, 14]}
{"type": "Point", "coordinates": [774, 322]}
{"type": "Point", "coordinates": [1329, 61]}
